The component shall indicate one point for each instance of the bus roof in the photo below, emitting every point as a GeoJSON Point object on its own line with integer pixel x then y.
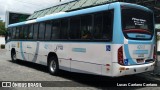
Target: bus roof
{"type": "Point", "coordinates": [77, 12]}
{"type": "Point", "coordinates": [69, 5]}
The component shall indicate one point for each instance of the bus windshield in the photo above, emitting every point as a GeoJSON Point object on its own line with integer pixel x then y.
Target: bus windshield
{"type": "Point", "coordinates": [137, 23]}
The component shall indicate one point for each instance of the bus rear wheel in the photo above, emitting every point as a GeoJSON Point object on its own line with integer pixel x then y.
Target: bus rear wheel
{"type": "Point", "coordinates": [53, 66]}
{"type": "Point", "coordinates": [13, 56]}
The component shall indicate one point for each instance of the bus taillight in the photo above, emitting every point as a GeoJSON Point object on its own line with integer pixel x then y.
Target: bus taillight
{"type": "Point", "coordinates": [120, 56]}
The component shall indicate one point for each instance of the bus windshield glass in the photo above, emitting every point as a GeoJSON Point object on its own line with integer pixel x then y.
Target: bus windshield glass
{"type": "Point", "coordinates": [137, 23]}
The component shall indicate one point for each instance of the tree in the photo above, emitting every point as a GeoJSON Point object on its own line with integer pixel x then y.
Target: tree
{"type": "Point", "coordinates": [2, 28]}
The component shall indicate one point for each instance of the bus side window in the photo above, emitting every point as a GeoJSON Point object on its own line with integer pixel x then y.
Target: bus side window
{"type": "Point", "coordinates": [25, 32]}
{"type": "Point", "coordinates": [41, 31]}
{"type": "Point", "coordinates": [14, 33]}
{"type": "Point", "coordinates": [74, 32]}
{"type": "Point", "coordinates": [56, 30]}
{"type": "Point", "coordinates": [35, 31]}
{"type": "Point", "coordinates": [64, 29]}
{"type": "Point", "coordinates": [107, 25]}
{"type": "Point", "coordinates": [86, 27]}
{"type": "Point", "coordinates": [98, 25]}
{"type": "Point", "coordinates": [103, 25]}
{"type": "Point", "coordinates": [48, 30]}
{"type": "Point", "coordinates": [21, 33]}
{"type": "Point", "coordinates": [30, 32]}
{"type": "Point", "coordinates": [17, 33]}
{"type": "Point", "coordinates": [8, 35]}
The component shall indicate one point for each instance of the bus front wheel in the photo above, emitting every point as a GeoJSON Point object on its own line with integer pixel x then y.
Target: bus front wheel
{"type": "Point", "coordinates": [13, 56]}
{"type": "Point", "coordinates": [53, 66]}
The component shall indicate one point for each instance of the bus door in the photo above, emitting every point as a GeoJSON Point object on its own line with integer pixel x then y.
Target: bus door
{"type": "Point", "coordinates": [32, 51]}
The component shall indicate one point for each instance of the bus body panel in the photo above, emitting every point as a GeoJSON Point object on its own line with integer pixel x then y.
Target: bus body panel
{"type": "Point", "coordinates": [40, 53]}
{"type": "Point", "coordinates": [32, 50]}
{"type": "Point", "coordinates": [76, 58]}
{"type": "Point", "coordinates": [138, 52]}
{"type": "Point", "coordinates": [80, 60]}
{"type": "Point", "coordinates": [132, 49]}
{"type": "Point", "coordinates": [99, 58]}
{"type": "Point", "coordinates": [117, 24]}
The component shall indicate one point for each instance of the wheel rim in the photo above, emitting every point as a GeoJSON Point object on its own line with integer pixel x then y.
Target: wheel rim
{"type": "Point", "coordinates": [53, 66]}
{"type": "Point", "coordinates": [14, 57]}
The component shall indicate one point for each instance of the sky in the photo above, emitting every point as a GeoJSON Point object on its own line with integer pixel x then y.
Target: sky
{"type": "Point", "coordinates": [24, 6]}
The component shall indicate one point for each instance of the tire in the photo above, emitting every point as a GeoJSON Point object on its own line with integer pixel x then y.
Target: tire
{"type": "Point", "coordinates": [13, 56]}
{"type": "Point", "coordinates": [53, 66]}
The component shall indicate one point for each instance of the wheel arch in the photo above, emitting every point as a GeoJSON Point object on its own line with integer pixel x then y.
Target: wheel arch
{"type": "Point", "coordinates": [52, 54]}
{"type": "Point", "coordinates": [13, 50]}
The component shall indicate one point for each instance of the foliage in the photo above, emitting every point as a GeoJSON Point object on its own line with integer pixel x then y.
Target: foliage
{"type": "Point", "coordinates": [2, 28]}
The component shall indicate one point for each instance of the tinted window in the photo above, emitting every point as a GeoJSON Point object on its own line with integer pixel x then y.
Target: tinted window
{"type": "Point", "coordinates": [98, 26]}
{"type": "Point", "coordinates": [95, 26]}
{"type": "Point", "coordinates": [103, 25]}
{"type": "Point", "coordinates": [137, 23]}
{"type": "Point", "coordinates": [134, 19]}
{"type": "Point", "coordinates": [48, 30]}
{"type": "Point", "coordinates": [86, 27]}
{"type": "Point", "coordinates": [107, 25]}
{"type": "Point", "coordinates": [21, 35]}
{"type": "Point", "coordinates": [56, 30]}
{"type": "Point", "coordinates": [9, 34]}
{"type": "Point", "coordinates": [17, 33]}
{"type": "Point", "coordinates": [64, 29]}
{"type": "Point", "coordinates": [74, 32]}
{"type": "Point", "coordinates": [13, 33]}
{"type": "Point", "coordinates": [41, 31]}
{"type": "Point", "coordinates": [25, 32]}
{"type": "Point", "coordinates": [30, 32]}
{"type": "Point", "coordinates": [35, 31]}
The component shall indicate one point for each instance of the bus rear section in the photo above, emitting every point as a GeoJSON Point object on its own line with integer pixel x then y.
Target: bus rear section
{"type": "Point", "coordinates": [136, 54]}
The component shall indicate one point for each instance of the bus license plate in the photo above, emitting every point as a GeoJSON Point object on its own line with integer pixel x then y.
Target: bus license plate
{"type": "Point", "coordinates": [140, 60]}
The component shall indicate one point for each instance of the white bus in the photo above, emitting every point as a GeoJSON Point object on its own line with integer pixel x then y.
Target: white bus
{"type": "Point", "coordinates": [114, 40]}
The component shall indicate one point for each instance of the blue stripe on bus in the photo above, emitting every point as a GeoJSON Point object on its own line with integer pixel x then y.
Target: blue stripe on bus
{"type": "Point", "coordinates": [21, 48]}
{"type": "Point", "coordinates": [141, 42]}
{"type": "Point", "coordinates": [79, 50]}
{"type": "Point", "coordinates": [141, 52]}
{"type": "Point", "coordinates": [17, 24]}
{"type": "Point", "coordinates": [130, 60]}
{"type": "Point", "coordinates": [73, 13]}
{"type": "Point", "coordinates": [117, 30]}
{"type": "Point", "coordinates": [135, 35]}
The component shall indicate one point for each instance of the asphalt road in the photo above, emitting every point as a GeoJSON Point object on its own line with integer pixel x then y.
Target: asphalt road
{"type": "Point", "coordinates": [26, 71]}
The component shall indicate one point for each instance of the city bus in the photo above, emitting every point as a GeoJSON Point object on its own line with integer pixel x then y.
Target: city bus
{"type": "Point", "coordinates": [114, 39]}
